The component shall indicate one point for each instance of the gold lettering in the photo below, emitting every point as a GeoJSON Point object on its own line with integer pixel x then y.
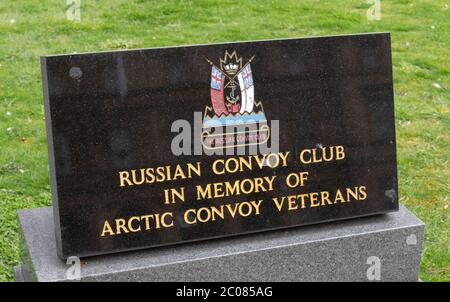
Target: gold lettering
{"type": "Point", "coordinates": [124, 177]}
{"type": "Point", "coordinates": [313, 199]}
{"type": "Point", "coordinates": [163, 220]}
{"type": "Point", "coordinates": [199, 214]}
{"type": "Point", "coordinates": [245, 162]}
{"type": "Point", "coordinates": [179, 173]}
{"type": "Point", "coordinates": [302, 156]}
{"type": "Point", "coordinates": [219, 212]}
{"type": "Point", "coordinates": [296, 179]}
{"type": "Point", "coordinates": [241, 209]}
{"type": "Point", "coordinates": [302, 199]}
{"type": "Point", "coordinates": [325, 197]}
{"type": "Point", "coordinates": [340, 154]}
{"type": "Point", "coordinates": [186, 216]}
{"type": "Point", "coordinates": [215, 169]}
{"type": "Point", "coordinates": [203, 193]}
{"type": "Point", "coordinates": [362, 192]}
{"type": "Point", "coordinates": [353, 193]}
{"type": "Point", "coordinates": [161, 174]}
{"type": "Point", "coordinates": [314, 155]}
{"type": "Point", "coordinates": [107, 229]}
{"type": "Point", "coordinates": [244, 186]}
{"type": "Point", "coordinates": [235, 163]}
{"type": "Point", "coordinates": [269, 181]}
{"type": "Point", "coordinates": [142, 178]}
{"type": "Point", "coordinates": [120, 226]}
{"type": "Point", "coordinates": [232, 209]}
{"type": "Point", "coordinates": [283, 157]}
{"type": "Point", "coordinates": [232, 189]}
{"type": "Point", "coordinates": [250, 186]}
{"type": "Point", "coordinates": [292, 203]}
{"type": "Point", "coordinates": [150, 176]}
{"type": "Point", "coordinates": [275, 158]}
{"type": "Point", "coordinates": [278, 203]}
{"type": "Point", "coordinates": [130, 224]}
{"type": "Point", "coordinates": [256, 206]}
{"type": "Point", "coordinates": [218, 192]}
{"type": "Point", "coordinates": [212, 213]}
{"type": "Point", "coordinates": [146, 219]}
{"type": "Point", "coordinates": [324, 154]}
{"type": "Point", "coordinates": [195, 169]}
{"type": "Point", "coordinates": [339, 197]}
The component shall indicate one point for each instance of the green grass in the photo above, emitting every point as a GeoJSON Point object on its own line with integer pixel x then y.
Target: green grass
{"type": "Point", "coordinates": [420, 41]}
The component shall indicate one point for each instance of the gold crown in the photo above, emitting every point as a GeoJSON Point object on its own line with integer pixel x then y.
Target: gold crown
{"type": "Point", "coordinates": [231, 63]}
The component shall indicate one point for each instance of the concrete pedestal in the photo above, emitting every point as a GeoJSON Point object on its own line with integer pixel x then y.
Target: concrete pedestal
{"type": "Point", "coordinates": [385, 247]}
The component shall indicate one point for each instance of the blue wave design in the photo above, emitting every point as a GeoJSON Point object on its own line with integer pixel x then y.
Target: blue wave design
{"type": "Point", "coordinates": [232, 119]}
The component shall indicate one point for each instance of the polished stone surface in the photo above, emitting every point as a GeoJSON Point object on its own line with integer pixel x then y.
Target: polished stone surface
{"type": "Point", "coordinates": [112, 111]}
{"type": "Point", "coordinates": [335, 251]}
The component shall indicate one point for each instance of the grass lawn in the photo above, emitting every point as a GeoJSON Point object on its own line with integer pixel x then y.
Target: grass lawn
{"type": "Point", "coordinates": [420, 40]}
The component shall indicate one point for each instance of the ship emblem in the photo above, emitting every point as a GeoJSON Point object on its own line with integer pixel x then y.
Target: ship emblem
{"type": "Point", "coordinates": [233, 106]}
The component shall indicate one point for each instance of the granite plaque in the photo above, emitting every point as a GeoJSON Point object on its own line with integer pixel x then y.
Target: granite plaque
{"type": "Point", "coordinates": [160, 146]}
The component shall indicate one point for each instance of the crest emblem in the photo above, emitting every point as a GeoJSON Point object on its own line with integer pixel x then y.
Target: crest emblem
{"type": "Point", "coordinates": [233, 104]}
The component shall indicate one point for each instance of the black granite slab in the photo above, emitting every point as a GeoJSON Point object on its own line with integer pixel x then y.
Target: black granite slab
{"type": "Point", "coordinates": [111, 112]}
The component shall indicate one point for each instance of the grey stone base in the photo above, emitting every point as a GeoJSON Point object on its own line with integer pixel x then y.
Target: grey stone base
{"type": "Point", "coordinates": [386, 246]}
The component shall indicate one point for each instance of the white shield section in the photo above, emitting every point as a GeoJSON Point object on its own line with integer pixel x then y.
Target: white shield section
{"type": "Point", "coordinates": [247, 90]}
